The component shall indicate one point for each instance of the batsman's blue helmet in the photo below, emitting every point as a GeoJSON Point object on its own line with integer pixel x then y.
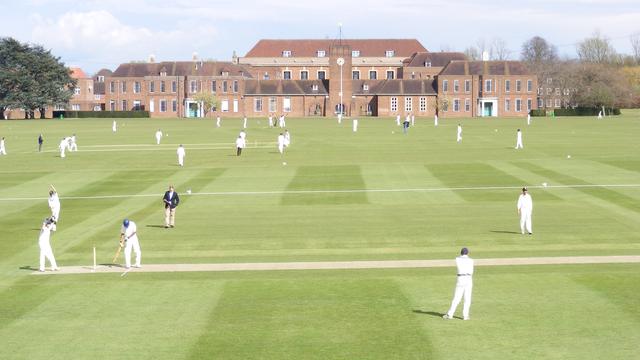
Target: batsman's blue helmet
{"type": "Point", "coordinates": [125, 222]}
{"type": "Point", "coordinates": [464, 251]}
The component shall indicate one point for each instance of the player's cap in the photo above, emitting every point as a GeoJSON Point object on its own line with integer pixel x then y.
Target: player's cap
{"type": "Point", "coordinates": [524, 189]}
{"type": "Point", "coordinates": [125, 222]}
{"type": "Point", "coordinates": [464, 251]}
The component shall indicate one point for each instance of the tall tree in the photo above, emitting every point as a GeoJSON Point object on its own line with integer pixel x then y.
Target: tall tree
{"type": "Point", "coordinates": [499, 50]}
{"type": "Point", "coordinates": [208, 101]}
{"type": "Point", "coordinates": [596, 50]}
{"type": "Point", "coordinates": [635, 47]}
{"type": "Point", "coordinates": [538, 51]}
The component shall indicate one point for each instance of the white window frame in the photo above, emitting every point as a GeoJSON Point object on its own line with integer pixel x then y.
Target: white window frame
{"type": "Point", "coordinates": [324, 72]}
{"type": "Point", "coordinates": [393, 104]}
{"type": "Point", "coordinates": [284, 75]}
{"type": "Point", "coordinates": [373, 72]}
{"type": "Point", "coordinates": [137, 105]}
{"type": "Point", "coordinates": [445, 86]}
{"type": "Point", "coordinates": [389, 53]}
{"type": "Point", "coordinates": [423, 104]}
{"type": "Point", "coordinates": [152, 86]}
{"type": "Point", "coordinates": [353, 72]}
{"type": "Point", "coordinates": [305, 72]}
{"type": "Point", "coordinates": [163, 105]}
{"type": "Point", "coordinates": [124, 105]}
{"type": "Point", "coordinates": [467, 86]}
{"type": "Point", "coordinates": [529, 104]}
{"type": "Point", "coordinates": [321, 53]}
{"type": "Point", "coordinates": [286, 53]}
{"type": "Point", "coordinates": [193, 86]}
{"type": "Point", "coordinates": [224, 105]}
{"type": "Point", "coordinates": [76, 91]}
{"type": "Point", "coordinates": [174, 105]}
{"type": "Point", "coordinates": [558, 103]}
{"type": "Point", "coordinates": [540, 103]}
{"type": "Point", "coordinates": [529, 85]}
{"type": "Point", "coordinates": [408, 103]}
{"type": "Point", "coordinates": [235, 105]}
{"type": "Point", "coordinates": [456, 85]}
{"type": "Point", "coordinates": [355, 53]}
{"type": "Point", "coordinates": [393, 74]}
{"type": "Point", "coordinates": [137, 87]}
{"type": "Point", "coordinates": [488, 85]}
{"type": "Point", "coordinates": [518, 85]}
{"type": "Point", "coordinates": [507, 104]}
{"type": "Point", "coordinates": [518, 105]}
{"type": "Point", "coordinates": [112, 105]}
{"type": "Point", "coordinates": [273, 104]}
{"type": "Point", "coordinates": [257, 104]}
{"type": "Point", "coordinates": [456, 105]}
{"type": "Point", "coordinates": [75, 107]}
{"type": "Point", "coordinates": [174, 86]}
{"type": "Point", "coordinates": [286, 104]}
{"type": "Point", "coordinates": [507, 86]}
{"type": "Point", "coordinates": [467, 105]}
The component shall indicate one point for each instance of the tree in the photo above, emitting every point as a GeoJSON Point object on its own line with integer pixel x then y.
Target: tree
{"type": "Point", "coordinates": [537, 51]}
{"type": "Point", "coordinates": [472, 53]}
{"type": "Point", "coordinates": [635, 47]}
{"type": "Point", "coordinates": [499, 50]}
{"type": "Point", "coordinates": [12, 73]}
{"type": "Point", "coordinates": [207, 99]}
{"type": "Point", "coordinates": [596, 50]}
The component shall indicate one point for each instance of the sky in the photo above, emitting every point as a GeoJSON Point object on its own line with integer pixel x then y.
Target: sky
{"type": "Point", "coordinates": [103, 34]}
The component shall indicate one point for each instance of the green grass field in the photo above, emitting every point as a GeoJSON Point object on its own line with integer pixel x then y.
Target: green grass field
{"type": "Point", "coordinates": [372, 195]}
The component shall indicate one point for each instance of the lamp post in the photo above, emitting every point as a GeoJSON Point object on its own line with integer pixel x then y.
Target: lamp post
{"type": "Point", "coordinates": [340, 63]}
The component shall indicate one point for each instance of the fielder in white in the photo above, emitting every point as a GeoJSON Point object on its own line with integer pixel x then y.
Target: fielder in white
{"type": "Point", "coordinates": [355, 125]}
{"type": "Point", "coordinates": [398, 119]}
{"type": "Point", "coordinates": [281, 141]}
{"type": "Point", "coordinates": [218, 121]}
{"type": "Point", "coordinates": [270, 120]}
{"type": "Point", "coordinates": [340, 118]}
{"type": "Point", "coordinates": [73, 146]}
{"type": "Point", "coordinates": [525, 208]}
{"type": "Point", "coordinates": [181, 153]}
{"type": "Point", "coordinates": [3, 151]}
{"type": "Point", "coordinates": [464, 285]}
{"type": "Point", "coordinates": [244, 123]}
{"type": "Point", "coordinates": [241, 143]}
{"type": "Point", "coordinates": [435, 120]}
{"type": "Point", "coordinates": [519, 140]}
{"type": "Point", "coordinates": [158, 136]}
{"type": "Point", "coordinates": [54, 206]}
{"type": "Point", "coordinates": [44, 242]}
{"type": "Point", "coordinates": [63, 147]}
{"type": "Point", "coordinates": [129, 240]}
{"type": "Point", "coordinates": [413, 120]}
{"type": "Point", "coordinates": [282, 122]}
{"type": "Point", "coordinates": [114, 126]}
{"type": "Point", "coordinates": [287, 138]}
{"type": "Point", "coordinates": [529, 118]}
{"type": "Point", "coordinates": [459, 136]}
{"type": "Point", "coordinates": [243, 135]}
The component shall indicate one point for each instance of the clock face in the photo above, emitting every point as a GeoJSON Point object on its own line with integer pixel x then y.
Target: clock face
{"type": "Point", "coordinates": [340, 61]}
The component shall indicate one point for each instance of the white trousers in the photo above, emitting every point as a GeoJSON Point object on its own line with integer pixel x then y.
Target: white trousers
{"type": "Point", "coordinates": [218, 123]}
{"type": "Point", "coordinates": [3, 151]}
{"type": "Point", "coordinates": [464, 286]}
{"type": "Point", "coordinates": [158, 139]}
{"type": "Point", "coordinates": [525, 221]}
{"type": "Point", "coordinates": [459, 138]}
{"type": "Point", "coordinates": [355, 125]}
{"type": "Point", "coordinates": [181, 160]}
{"type": "Point", "coordinates": [519, 144]}
{"type": "Point", "coordinates": [132, 243]}
{"type": "Point", "coordinates": [73, 147]}
{"type": "Point", "coordinates": [55, 213]}
{"type": "Point", "coordinates": [62, 153]}
{"type": "Point", "coordinates": [435, 120]}
{"type": "Point", "coordinates": [281, 148]}
{"type": "Point", "coordinates": [47, 252]}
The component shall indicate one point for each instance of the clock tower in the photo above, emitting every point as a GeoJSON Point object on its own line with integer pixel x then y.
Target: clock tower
{"type": "Point", "coordinates": [340, 89]}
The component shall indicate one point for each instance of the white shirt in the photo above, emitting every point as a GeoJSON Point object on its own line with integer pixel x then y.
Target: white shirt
{"type": "Point", "coordinates": [459, 129]}
{"type": "Point", "coordinates": [243, 135]}
{"type": "Point", "coordinates": [158, 134]}
{"type": "Point", "coordinates": [240, 143]}
{"type": "Point", "coordinates": [54, 201]}
{"type": "Point", "coordinates": [280, 140]}
{"type": "Point", "coordinates": [181, 151]}
{"type": "Point", "coordinates": [2, 143]}
{"type": "Point", "coordinates": [130, 231]}
{"type": "Point", "coordinates": [464, 264]}
{"type": "Point", "coordinates": [45, 234]}
{"type": "Point", "coordinates": [525, 203]}
{"type": "Point", "coordinates": [519, 137]}
{"type": "Point", "coordinates": [63, 144]}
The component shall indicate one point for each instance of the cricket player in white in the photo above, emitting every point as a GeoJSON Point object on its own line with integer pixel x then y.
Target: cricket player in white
{"type": "Point", "coordinates": [73, 146]}
{"type": "Point", "coordinates": [158, 136]}
{"type": "Point", "coordinates": [287, 138]}
{"type": "Point", "coordinates": [243, 135]}
{"type": "Point", "coordinates": [435, 120]}
{"type": "Point", "coordinates": [398, 119]}
{"type": "Point", "coordinates": [240, 144]}
{"type": "Point", "coordinates": [529, 118]}
{"type": "Point", "coordinates": [114, 126]}
{"type": "Point", "coordinates": [54, 206]}
{"type": "Point", "coordinates": [464, 285]}
{"type": "Point", "coordinates": [181, 153]}
{"type": "Point", "coordinates": [281, 141]}
{"type": "Point", "coordinates": [270, 120]}
{"type": "Point", "coordinates": [519, 139]}
{"type": "Point", "coordinates": [340, 118]}
{"type": "Point", "coordinates": [129, 239]}
{"type": "Point", "coordinates": [355, 125]}
{"type": "Point", "coordinates": [63, 146]}
{"type": "Point", "coordinates": [3, 151]}
{"type": "Point", "coordinates": [218, 121]}
{"type": "Point", "coordinates": [45, 245]}
{"type": "Point", "coordinates": [413, 120]}
{"type": "Point", "coordinates": [244, 123]}
{"type": "Point", "coordinates": [525, 208]}
{"type": "Point", "coordinates": [282, 122]}
{"type": "Point", "coordinates": [459, 137]}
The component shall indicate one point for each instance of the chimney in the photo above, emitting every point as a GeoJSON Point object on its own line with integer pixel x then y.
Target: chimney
{"type": "Point", "coordinates": [485, 56]}
{"type": "Point", "coordinates": [152, 58]}
{"type": "Point", "coordinates": [194, 56]}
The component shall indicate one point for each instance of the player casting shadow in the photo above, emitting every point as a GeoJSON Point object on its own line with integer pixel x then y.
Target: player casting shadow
{"type": "Point", "coordinates": [155, 226]}
{"type": "Point", "coordinates": [111, 265]}
{"type": "Point", "coordinates": [504, 232]}
{"type": "Point", "coordinates": [432, 313]}
{"type": "Point", "coordinates": [28, 267]}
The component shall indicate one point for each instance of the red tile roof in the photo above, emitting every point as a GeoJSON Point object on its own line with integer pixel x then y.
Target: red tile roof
{"type": "Point", "coordinates": [309, 48]}
{"type": "Point", "coordinates": [436, 59]}
{"type": "Point", "coordinates": [485, 68]}
{"type": "Point", "coordinates": [77, 73]}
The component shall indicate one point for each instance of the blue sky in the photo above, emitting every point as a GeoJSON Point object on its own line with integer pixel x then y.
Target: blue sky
{"type": "Point", "coordinates": [102, 34]}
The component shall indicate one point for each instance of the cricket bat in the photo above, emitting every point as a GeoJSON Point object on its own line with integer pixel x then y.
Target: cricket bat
{"type": "Point", "coordinates": [118, 251]}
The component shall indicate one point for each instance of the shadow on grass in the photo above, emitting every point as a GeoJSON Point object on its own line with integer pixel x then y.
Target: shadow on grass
{"type": "Point", "coordinates": [155, 226]}
{"type": "Point", "coordinates": [432, 313]}
{"type": "Point", "coordinates": [504, 232]}
{"type": "Point", "coordinates": [28, 267]}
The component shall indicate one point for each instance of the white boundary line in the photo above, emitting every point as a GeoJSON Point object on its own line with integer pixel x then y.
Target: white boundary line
{"type": "Point", "coordinates": [302, 192]}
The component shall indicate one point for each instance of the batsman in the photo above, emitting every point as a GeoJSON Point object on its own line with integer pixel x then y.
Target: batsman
{"type": "Point", "coordinates": [129, 240]}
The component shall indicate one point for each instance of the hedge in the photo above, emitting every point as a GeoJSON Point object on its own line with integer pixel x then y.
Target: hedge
{"type": "Point", "coordinates": [579, 111]}
{"type": "Point", "coordinates": [538, 112]}
{"type": "Point", "coordinates": [101, 114]}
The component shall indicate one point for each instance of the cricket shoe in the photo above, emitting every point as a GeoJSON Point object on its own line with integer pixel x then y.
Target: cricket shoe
{"type": "Point", "coordinates": [447, 317]}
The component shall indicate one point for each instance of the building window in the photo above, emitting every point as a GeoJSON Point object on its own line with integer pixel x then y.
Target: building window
{"type": "Point", "coordinates": [136, 105]}
{"type": "Point", "coordinates": [373, 75]}
{"type": "Point", "coordinates": [390, 74]}
{"type": "Point", "coordinates": [112, 105]}
{"type": "Point", "coordinates": [273, 104]}
{"type": "Point", "coordinates": [445, 105]}
{"type": "Point", "coordinates": [456, 86]}
{"type": "Point", "coordinates": [355, 53]}
{"type": "Point", "coordinates": [549, 103]}
{"type": "Point", "coordinates": [257, 105]}
{"type": "Point", "coordinates": [265, 76]}
{"type": "Point", "coordinates": [557, 103]}
{"type": "Point", "coordinates": [549, 81]}
{"type": "Point", "coordinates": [540, 91]}
{"type": "Point", "coordinates": [540, 103]}
{"type": "Point", "coordinates": [286, 53]}
{"type": "Point", "coordinates": [286, 74]}
{"type": "Point", "coordinates": [193, 86]}
{"type": "Point", "coordinates": [487, 85]}
{"type": "Point", "coordinates": [507, 105]}
{"type": "Point", "coordinates": [136, 87]}
{"type": "Point", "coordinates": [557, 91]}
{"type": "Point", "coordinates": [365, 87]}
{"type": "Point", "coordinates": [394, 104]}
{"type": "Point", "coordinates": [225, 88]}
{"type": "Point", "coordinates": [163, 87]}
{"type": "Point", "coordinates": [75, 107]}
{"type": "Point", "coordinates": [112, 87]}
{"type": "Point", "coordinates": [389, 53]}
{"type": "Point", "coordinates": [224, 105]}
{"type": "Point", "coordinates": [286, 104]}
{"type": "Point", "coordinates": [518, 85]}
{"type": "Point", "coordinates": [423, 104]}
{"type": "Point", "coordinates": [408, 104]}
{"type": "Point", "coordinates": [427, 64]}
{"type": "Point", "coordinates": [124, 105]}
{"type": "Point", "coordinates": [174, 86]}
{"type": "Point", "coordinates": [314, 87]}
{"type": "Point", "coordinates": [321, 53]}
{"type": "Point", "coordinates": [529, 85]}
{"type": "Point", "coordinates": [467, 86]}
{"type": "Point", "coordinates": [549, 91]}
{"type": "Point", "coordinates": [235, 86]}
{"type": "Point", "coordinates": [322, 74]}
{"type": "Point", "coordinates": [174, 105]}
{"type": "Point", "coordinates": [529, 104]}
{"type": "Point", "coordinates": [456, 105]}
{"type": "Point", "coordinates": [507, 86]}
{"type": "Point", "coordinates": [467, 105]}
{"type": "Point", "coordinates": [76, 91]}
{"type": "Point", "coordinates": [235, 105]}
{"type": "Point", "coordinates": [152, 86]}
{"type": "Point", "coordinates": [518, 105]}
{"type": "Point", "coordinates": [304, 75]}
{"type": "Point", "coordinates": [163, 105]}
{"type": "Point", "coordinates": [163, 73]}
{"type": "Point", "coordinates": [355, 74]}
{"type": "Point", "coordinates": [100, 78]}
{"type": "Point", "coordinates": [445, 85]}
{"type": "Point", "coordinates": [123, 87]}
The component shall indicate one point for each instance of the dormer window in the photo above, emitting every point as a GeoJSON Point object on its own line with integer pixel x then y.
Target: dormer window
{"type": "Point", "coordinates": [427, 64]}
{"type": "Point", "coordinates": [365, 87]}
{"type": "Point", "coordinates": [314, 87]}
{"type": "Point", "coordinates": [100, 78]}
{"type": "Point", "coordinates": [224, 73]}
{"type": "Point", "coordinates": [390, 53]}
{"type": "Point", "coordinates": [321, 53]}
{"type": "Point", "coordinates": [355, 53]}
{"type": "Point", "coordinates": [286, 53]}
{"type": "Point", "coordinates": [163, 73]}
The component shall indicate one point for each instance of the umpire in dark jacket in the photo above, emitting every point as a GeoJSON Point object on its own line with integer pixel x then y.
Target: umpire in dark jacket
{"type": "Point", "coordinates": [171, 201]}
